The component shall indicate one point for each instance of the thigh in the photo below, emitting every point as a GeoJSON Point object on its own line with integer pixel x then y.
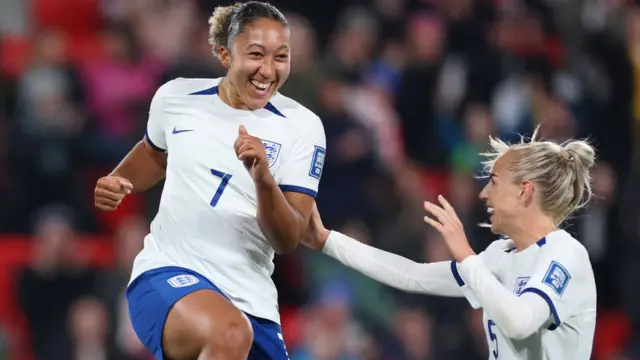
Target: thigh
{"type": "Point", "coordinates": [174, 311]}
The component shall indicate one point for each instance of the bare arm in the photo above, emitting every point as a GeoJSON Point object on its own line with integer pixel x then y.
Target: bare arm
{"type": "Point", "coordinates": [143, 166]}
{"type": "Point", "coordinates": [282, 217]}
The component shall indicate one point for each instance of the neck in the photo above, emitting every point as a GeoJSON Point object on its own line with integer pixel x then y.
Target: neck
{"type": "Point", "coordinates": [528, 233]}
{"type": "Point", "coordinates": [230, 96]}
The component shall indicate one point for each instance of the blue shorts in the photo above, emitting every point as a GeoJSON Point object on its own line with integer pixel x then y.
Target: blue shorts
{"type": "Point", "coordinates": [152, 294]}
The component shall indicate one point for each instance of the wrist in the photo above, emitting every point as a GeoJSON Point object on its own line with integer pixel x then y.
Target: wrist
{"type": "Point", "coordinates": [265, 181]}
{"type": "Point", "coordinates": [322, 235]}
{"type": "Point", "coordinates": [464, 255]}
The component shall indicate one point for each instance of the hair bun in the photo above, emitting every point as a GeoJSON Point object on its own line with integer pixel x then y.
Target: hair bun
{"type": "Point", "coordinates": [581, 152]}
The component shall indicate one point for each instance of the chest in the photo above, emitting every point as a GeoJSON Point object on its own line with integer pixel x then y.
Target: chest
{"type": "Point", "coordinates": [202, 128]}
{"type": "Point", "coordinates": [515, 270]}
{"type": "Point", "coordinates": [200, 137]}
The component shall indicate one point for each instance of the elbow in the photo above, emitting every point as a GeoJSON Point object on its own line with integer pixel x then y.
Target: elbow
{"type": "Point", "coordinates": [284, 247]}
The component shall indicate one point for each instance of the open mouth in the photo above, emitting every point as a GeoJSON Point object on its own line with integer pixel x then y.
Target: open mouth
{"type": "Point", "coordinates": [261, 88]}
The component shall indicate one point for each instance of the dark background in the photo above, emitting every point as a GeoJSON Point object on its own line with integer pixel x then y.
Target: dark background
{"type": "Point", "coordinates": [408, 91]}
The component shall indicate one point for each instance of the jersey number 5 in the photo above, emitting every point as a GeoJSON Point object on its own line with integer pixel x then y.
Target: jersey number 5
{"type": "Point", "coordinates": [493, 337]}
{"type": "Point", "coordinates": [223, 184]}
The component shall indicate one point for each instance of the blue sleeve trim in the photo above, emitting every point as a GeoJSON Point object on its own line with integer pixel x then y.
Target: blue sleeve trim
{"type": "Point", "coordinates": [456, 274]}
{"type": "Point", "coordinates": [552, 307]}
{"type": "Point", "coordinates": [154, 146]}
{"type": "Point", "coordinates": [299, 189]}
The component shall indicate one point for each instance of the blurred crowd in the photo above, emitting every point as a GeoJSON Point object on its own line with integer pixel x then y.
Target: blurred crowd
{"type": "Point", "coordinates": [409, 92]}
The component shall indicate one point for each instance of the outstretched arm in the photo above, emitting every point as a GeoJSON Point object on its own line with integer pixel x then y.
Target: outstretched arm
{"type": "Point", "coordinates": [391, 269]}
{"type": "Point", "coordinates": [440, 278]}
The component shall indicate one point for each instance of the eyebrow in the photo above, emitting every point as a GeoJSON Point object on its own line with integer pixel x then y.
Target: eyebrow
{"type": "Point", "coordinates": [285, 46]}
{"type": "Point", "coordinates": [493, 175]}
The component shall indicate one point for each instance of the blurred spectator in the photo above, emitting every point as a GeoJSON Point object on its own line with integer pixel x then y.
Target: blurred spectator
{"type": "Point", "coordinates": [56, 278]}
{"type": "Point", "coordinates": [111, 286]}
{"type": "Point", "coordinates": [416, 91]}
{"type": "Point", "coordinates": [197, 61]}
{"type": "Point", "coordinates": [412, 327]}
{"type": "Point", "coordinates": [302, 83]}
{"type": "Point", "coordinates": [88, 324]}
{"type": "Point", "coordinates": [352, 44]}
{"type": "Point", "coordinates": [45, 145]}
{"type": "Point", "coordinates": [331, 332]}
{"type": "Point", "coordinates": [477, 127]}
{"type": "Point", "coordinates": [119, 89]}
{"type": "Point", "coordinates": [351, 163]}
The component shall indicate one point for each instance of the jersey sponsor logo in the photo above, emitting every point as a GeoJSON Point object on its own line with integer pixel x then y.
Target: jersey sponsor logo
{"type": "Point", "coordinates": [176, 131]}
{"type": "Point", "coordinates": [557, 277]}
{"type": "Point", "coordinates": [180, 281]}
{"type": "Point", "coordinates": [521, 282]}
{"type": "Point", "coordinates": [273, 151]}
{"type": "Point", "coordinates": [317, 163]}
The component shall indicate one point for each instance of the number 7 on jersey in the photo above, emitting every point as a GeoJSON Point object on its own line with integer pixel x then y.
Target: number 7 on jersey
{"type": "Point", "coordinates": [223, 184]}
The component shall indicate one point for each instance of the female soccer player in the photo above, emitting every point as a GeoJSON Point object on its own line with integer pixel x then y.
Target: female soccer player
{"type": "Point", "coordinates": [241, 165]}
{"type": "Point", "coordinates": [536, 285]}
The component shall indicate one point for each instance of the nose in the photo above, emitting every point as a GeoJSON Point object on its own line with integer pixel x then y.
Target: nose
{"type": "Point", "coordinates": [483, 194]}
{"type": "Point", "coordinates": [267, 69]}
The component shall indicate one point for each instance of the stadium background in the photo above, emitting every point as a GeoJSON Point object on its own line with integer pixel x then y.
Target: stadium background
{"type": "Point", "coordinates": [408, 90]}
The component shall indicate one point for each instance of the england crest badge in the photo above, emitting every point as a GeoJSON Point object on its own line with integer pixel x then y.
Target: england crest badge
{"type": "Point", "coordinates": [273, 151]}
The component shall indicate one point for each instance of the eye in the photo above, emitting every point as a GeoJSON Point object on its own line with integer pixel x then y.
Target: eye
{"type": "Point", "coordinates": [255, 54]}
{"type": "Point", "coordinates": [493, 182]}
{"type": "Point", "coordinates": [282, 57]}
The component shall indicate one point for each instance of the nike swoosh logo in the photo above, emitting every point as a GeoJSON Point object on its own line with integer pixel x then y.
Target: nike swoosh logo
{"type": "Point", "coordinates": [176, 131]}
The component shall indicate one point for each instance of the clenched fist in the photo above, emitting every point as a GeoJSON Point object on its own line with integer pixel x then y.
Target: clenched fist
{"type": "Point", "coordinates": [109, 192]}
{"type": "Point", "coordinates": [251, 152]}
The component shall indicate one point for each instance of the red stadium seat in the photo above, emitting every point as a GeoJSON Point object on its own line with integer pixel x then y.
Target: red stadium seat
{"type": "Point", "coordinates": [14, 52]}
{"type": "Point", "coordinates": [75, 17]}
{"type": "Point", "coordinates": [86, 48]}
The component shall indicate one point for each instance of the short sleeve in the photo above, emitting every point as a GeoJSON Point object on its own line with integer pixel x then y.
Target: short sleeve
{"type": "Point", "coordinates": [155, 133]}
{"type": "Point", "coordinates": [302, 170]}
{"type": "Point", "coordinates": [558, 279]}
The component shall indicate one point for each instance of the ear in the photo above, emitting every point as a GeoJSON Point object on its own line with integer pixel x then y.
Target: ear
{"type": "Point", "coordinates": [527, 189]}
{"type": "Point", "coordinates": [225, 57]}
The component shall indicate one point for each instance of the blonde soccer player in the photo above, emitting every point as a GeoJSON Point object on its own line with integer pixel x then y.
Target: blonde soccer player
{"type": "Point", "coordinates": [535, 285]}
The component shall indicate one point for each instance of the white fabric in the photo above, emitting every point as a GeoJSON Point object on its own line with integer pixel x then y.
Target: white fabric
{"type": "Point", "coordinates": [538, 303]}
{"type": "Point", "coordinates": [391, 269]}
{"type": "Point", "coordinates": [517, 316]}
{"type": "Point", "coordinates": [206, 220]}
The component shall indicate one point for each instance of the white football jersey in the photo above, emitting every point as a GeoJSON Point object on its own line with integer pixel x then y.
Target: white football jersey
{"type": "Point", "coordinates": [207, 220]}
{"type": "Point", "coordinates": [557, 269]}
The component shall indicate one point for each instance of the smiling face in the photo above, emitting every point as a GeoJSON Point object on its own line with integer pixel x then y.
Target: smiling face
{"type": "Point", "coordinates": [259, 62]}
{"type": "Point", "coordinates": [507, 199]}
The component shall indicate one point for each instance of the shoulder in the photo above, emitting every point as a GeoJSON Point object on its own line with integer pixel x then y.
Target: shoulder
{"type": "Point", "coordinates": [301, 117]}
{"type": "Point", "coordinates": [496, 250]}
{"type": "Point", "coordinates": [500, 246]}
{"type": "Point", "coordinates": [560, 244]}
{"type": "Point", "coordinates": [184, 87]}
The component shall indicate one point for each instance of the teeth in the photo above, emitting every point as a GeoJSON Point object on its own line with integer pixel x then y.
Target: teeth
{"type": "Point", "coordinates": [259, 85]}
{"type": "Point", "coordinates": [490, 210]}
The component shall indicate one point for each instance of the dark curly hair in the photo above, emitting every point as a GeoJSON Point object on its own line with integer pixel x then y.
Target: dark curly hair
{"type": "Point", "coordinates": [229, 21]}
